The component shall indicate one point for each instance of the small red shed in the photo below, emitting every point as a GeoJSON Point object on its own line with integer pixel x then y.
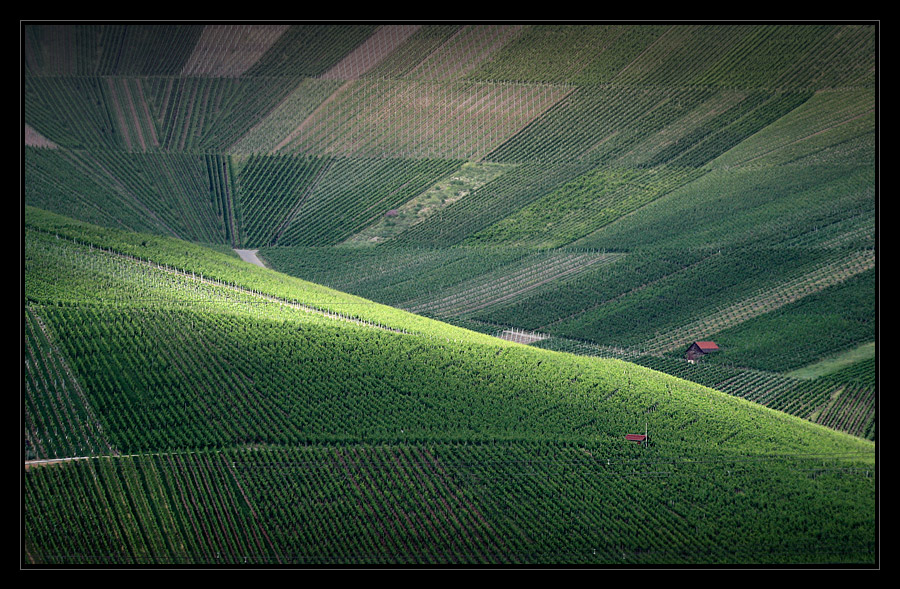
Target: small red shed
{"type": "Point", "coordinates": [700, 349]}
{"type": "Point", "coordinates": [635, 437]}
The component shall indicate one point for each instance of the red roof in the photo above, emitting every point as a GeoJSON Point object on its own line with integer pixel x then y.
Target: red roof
{"type": "Point", "coordinates": [707, 346]}
{"type": "Point", "coordinates": [635, 437]}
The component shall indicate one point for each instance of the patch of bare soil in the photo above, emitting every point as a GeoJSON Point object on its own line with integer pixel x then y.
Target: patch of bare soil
{"type": "Point", "coordinates": [35, 139]}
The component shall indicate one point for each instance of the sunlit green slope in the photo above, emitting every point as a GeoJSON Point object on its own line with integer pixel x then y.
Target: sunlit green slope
{"type": "Point", "coordinates": [224, 413]}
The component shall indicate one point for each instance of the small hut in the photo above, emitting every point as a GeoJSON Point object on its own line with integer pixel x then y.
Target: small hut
{"type": "Point", "coordinates": [700, 349]}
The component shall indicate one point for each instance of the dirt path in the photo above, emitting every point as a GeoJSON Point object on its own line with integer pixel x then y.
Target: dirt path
{"type": "Point", "coordinates": [250, 256]}
{"type": "Point", "coordinates": [35, 139]}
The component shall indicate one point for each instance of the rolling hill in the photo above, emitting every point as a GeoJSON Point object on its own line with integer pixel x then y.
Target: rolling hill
{"type": "Point", "coordinates": [610, 192]}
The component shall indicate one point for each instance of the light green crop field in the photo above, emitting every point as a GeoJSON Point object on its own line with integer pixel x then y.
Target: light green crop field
{"type": "Point", "coordinates": [832, 365]}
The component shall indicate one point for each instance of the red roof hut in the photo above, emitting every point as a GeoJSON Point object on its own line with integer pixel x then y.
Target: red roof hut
{"type": "Point", "coordinates": [700, 349]}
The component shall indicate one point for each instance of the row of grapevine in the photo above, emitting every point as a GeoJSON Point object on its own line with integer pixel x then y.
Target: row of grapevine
{"type": "Point", "coordinates": [583, 206]}
{"type": "Point", "coordinates": [749, 207]}
{"type": "Point", "coordinates": [354, 193]}
{"type": "Point", "coordinates": [391, 275]}
{"type": "Point", "coordinates": [59, 422]}
{"type": "Point", "coordinates": [197, 50]}
{"type": "Point", "coordinates": [463, 50]}
{"type": "Point", "coordinates": [141, 114]}
{"type": "Point", "coordinates": [135, 125]}
{"type": "Point", "coordinates": [407, 60]}
{"type": "Point", "coordinates": [681, 307]}
{"type": "Point", "coordinates": [72, 112]}
{"type": "Point", "coordinates": [93, 278]}
{"type": "Point", "coordinates": [107, 49]}
{"type": "Point", "coordinates": [631, 274]}
{"type": "Point", "coordinates": [823, 274]}
{"type": "Point", "coordinates": [827, 119]}
{"type": "Point", "coordinates": [174, 509]}
{"type": "Point", "coordinates": [498, 503]}
{"type": "Point", "coordinates": [510, 283]}
{"type": "Point", "coordinates": [383, 41]}
{"type": "Point", "coordinates": [550, 53]}
{"type": "Point", "coordinates": [419, 119]}
{"type": "Point", "coordinates": [614, 123]}
{"type": "Point", "coordinates": [221, 192]}
{"type": "Point", "coordinates": [807, 57]}
{"type": "Point", "coordinates": [286, 118]}
{"type": "Point", "coordinates": [825, 322]}
{"type": "Point", "coordinates": [114, 265]}
{"type": "Point", "coordinates": [309, 50]}
{"type": "Point", "coordinates": [270, 190]}
{"type": "Point", "coordinates": [58, 180]}
{"type": "Point", "coordinates": [326, 453]}
{"type": "Point", "coordinates": [230, 50]}
{"type": "Point", "coordinates": [203, 114]}
{"type": "Point", "coordinates": [768, 56]}
{"type": "Point", "coordinates": [517, 187]}
{"type": "Point", "coordinates": [812, 399]}
{"type": "Point", "coordinates": [164, 193]}
{"type": "Point", "coordinates": [312, 383]}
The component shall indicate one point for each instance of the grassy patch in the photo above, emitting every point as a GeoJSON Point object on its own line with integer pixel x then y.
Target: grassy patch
{"type": "Point", "coordinates": [835, 363]}
{"type": "Point", "coordinates": [469, 178]}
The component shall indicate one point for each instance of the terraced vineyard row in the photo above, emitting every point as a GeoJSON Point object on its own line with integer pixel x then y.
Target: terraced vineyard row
{"type": "Point", "coordinates": [517, 187]}
{"type": "Point", "coordinates": [146, 114]}
{"type": "Point", "coordinates": [612, 124]}
{"type": "Point", "coordinates": [509, 283]}
{"type": "Point", "coordinates": [59, 420]}
{"type": "Point", "coordinates": [107, 49]}
{"type": "Point", "coordinates": [391, 274]}
{"type": "Point", "coordinates": [582, 206]}
{"type": "Point", "coordinates": [354, 193]}
{"type": "Point", "coordinates": [393, 118]}
{"type": "Point", "coordinates": [164, 193]}
{"type": "Point", "coordinates": [230, 50]}
{"type": "Point", "coordinates": [271, 190]}
{"type": "Point", "coordinates": [827, 274]}
{"type": "Point", "coordinates": [834, 400]}
{"type": "Point", "coordinates": [438, 504]}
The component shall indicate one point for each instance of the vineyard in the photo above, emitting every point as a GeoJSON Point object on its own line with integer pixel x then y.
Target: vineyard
{"type": "Point", "coordinates": [206, 402]}
{"type": "Point", "coordinates": [491, 246]}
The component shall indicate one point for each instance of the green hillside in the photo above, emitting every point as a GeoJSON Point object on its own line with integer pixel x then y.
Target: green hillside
{"type": "Point", "coordinates": [217, 420]}
{"type": "Point", "coordinates": [607, 193]}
